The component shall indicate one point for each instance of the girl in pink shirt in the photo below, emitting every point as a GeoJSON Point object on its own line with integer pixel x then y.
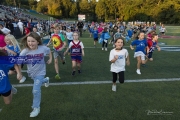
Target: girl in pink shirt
{"type": "Point", "coordinates": [2, 42]}
{"type": "Point", "coordinates": [100, 29]}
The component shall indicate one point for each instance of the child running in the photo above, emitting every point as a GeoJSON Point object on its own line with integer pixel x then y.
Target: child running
{"type": "Point", "coordinates": [13, 49]}
{"type": "Point", "coordinates": [33, 48]}
{"type": "Point", "coordinates": [6, 89]}
{"type": "Point", "coordinates": [59, 44]}
{"type": "Point", "coordinates": [117, 35]}
{"type": "Point", "coordinates": [118, 57]}
{"type": "Point", "coordinates": [152, 44]}
{"type": "Point", "coordinates": [95, 35]}
{"type": "Point", "coordinates": [105, 36]}
{"type": "Point", "coordinates": [141, 45]}
{"type": "Point", "coordinates": [69, 36]}
{"type": "Point", "coordinates": [77, 51]}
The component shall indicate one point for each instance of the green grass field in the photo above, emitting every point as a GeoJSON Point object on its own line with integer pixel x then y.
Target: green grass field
{"type": "Point", "coordinates": [131, 101]}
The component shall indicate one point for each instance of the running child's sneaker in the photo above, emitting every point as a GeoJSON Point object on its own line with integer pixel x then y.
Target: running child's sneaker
{"type": "Point", "coordinates": [138, 72]}
{"type": "Point", "coordinates": [35, 112]}
{"type": "Point", "coordinates": [22, 79]}
{"type": "Point", "coordinates": [47, 83]}
{"type": "Point", "coordinates": [13, 90]}
{"type": "Point", "coordinates": [57, 76]}
{"type": "Point", "coordinates": [114, 88]}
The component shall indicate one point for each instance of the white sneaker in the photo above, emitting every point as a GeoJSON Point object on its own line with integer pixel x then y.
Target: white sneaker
{"type": "Point", "coordinates": [22, 79]}
{"type": "Point", "coordinates": [102, 48]}
{"type": "Point", "coordinates": [13, 90]}
{"type": "Point", "coordinates": [138, 71]}
{"type": "Point", "coordinates": [105, 49]}
{"type": "Point", "coordinates": [47, 83]}
{"type": "Point", "coordinates": [114, 88]}
{"type": "Point", "coordinates": [35, 112]}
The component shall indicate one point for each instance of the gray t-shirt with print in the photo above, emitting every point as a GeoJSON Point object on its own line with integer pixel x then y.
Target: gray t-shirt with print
{"type": "Point", "coordinates": [37, 68]}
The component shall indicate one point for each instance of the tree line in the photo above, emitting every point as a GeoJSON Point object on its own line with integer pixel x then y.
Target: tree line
{"type": "Point", "coordinates": [165, 11]}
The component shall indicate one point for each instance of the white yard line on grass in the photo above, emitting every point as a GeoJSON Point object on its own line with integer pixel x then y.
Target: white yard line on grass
{"type": "Point", "coordinates": [104, 82]}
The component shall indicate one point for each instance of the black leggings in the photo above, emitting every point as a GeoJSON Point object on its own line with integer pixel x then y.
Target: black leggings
{"type": "Point", "coordinates": [104, 44]}
{"type": "Point", "coordinates": [121, 77]}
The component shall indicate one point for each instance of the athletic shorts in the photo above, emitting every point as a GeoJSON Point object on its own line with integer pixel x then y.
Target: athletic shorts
{"type": "Point", "coordinates": [139, 53]}
{"type": "Point", "coordinates": [78, 59]}
{"type": "Point", "coordinates": [6, 94]}
{"type": "Point", "coordinates": [58, 53]}
{"type": "Point", "coordinates": [95, 39]}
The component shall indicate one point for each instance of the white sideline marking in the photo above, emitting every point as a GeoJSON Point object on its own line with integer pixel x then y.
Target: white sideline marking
{"type": "Point", "coordinates": [23, 70]}
{"type": "Point", "coordinates": [103, 82]}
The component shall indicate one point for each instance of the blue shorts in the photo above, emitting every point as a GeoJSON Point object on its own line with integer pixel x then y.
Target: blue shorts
{"type": "Point", "coordinates": [78, 59]}
{"type": "Point", "coordinates": [96, 39]}
{"type": "Point", "coordinates": [6, 94]}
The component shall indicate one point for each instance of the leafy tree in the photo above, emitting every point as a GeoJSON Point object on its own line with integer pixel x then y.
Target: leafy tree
{"type": "Point", "coordinates": [100, 9]}
{"type": "Point", "coordinates": [66, 7]}
{"type": "Point", "coordinates": [32, 3]}
{"type": "Point", "coordinates": [10, 2]}
{"type": "Point", "coordinates": [166, 11]}
{"type": "Point", "coordinates": [74, 11]}
{"type": "Point", "coordinates": [41, 8]}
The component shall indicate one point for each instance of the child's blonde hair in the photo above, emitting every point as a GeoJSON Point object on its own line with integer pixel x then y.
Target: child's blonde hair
{"type": "Point", "coordinates": [13, 41]}
{"type": "Point", "coordinates": [56, 25]}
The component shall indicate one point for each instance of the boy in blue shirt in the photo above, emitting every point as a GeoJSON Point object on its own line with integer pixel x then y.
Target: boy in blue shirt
{"type": "Point", "coordinates": [95, 35]}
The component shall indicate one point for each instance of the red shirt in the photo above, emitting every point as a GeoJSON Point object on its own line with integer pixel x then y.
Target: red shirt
{"type": "Point", "coordinates": [149, 36]}
{"type": "Point", "coordinates": [27, 31]}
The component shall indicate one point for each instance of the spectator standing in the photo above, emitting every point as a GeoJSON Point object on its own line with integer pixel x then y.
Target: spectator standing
{"type": "Point", "coordinates": [4, 29]}
{"type": "Point", "coordinates": [20, 25]}
{"type": "Point", "coordinates": [80, 25]}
